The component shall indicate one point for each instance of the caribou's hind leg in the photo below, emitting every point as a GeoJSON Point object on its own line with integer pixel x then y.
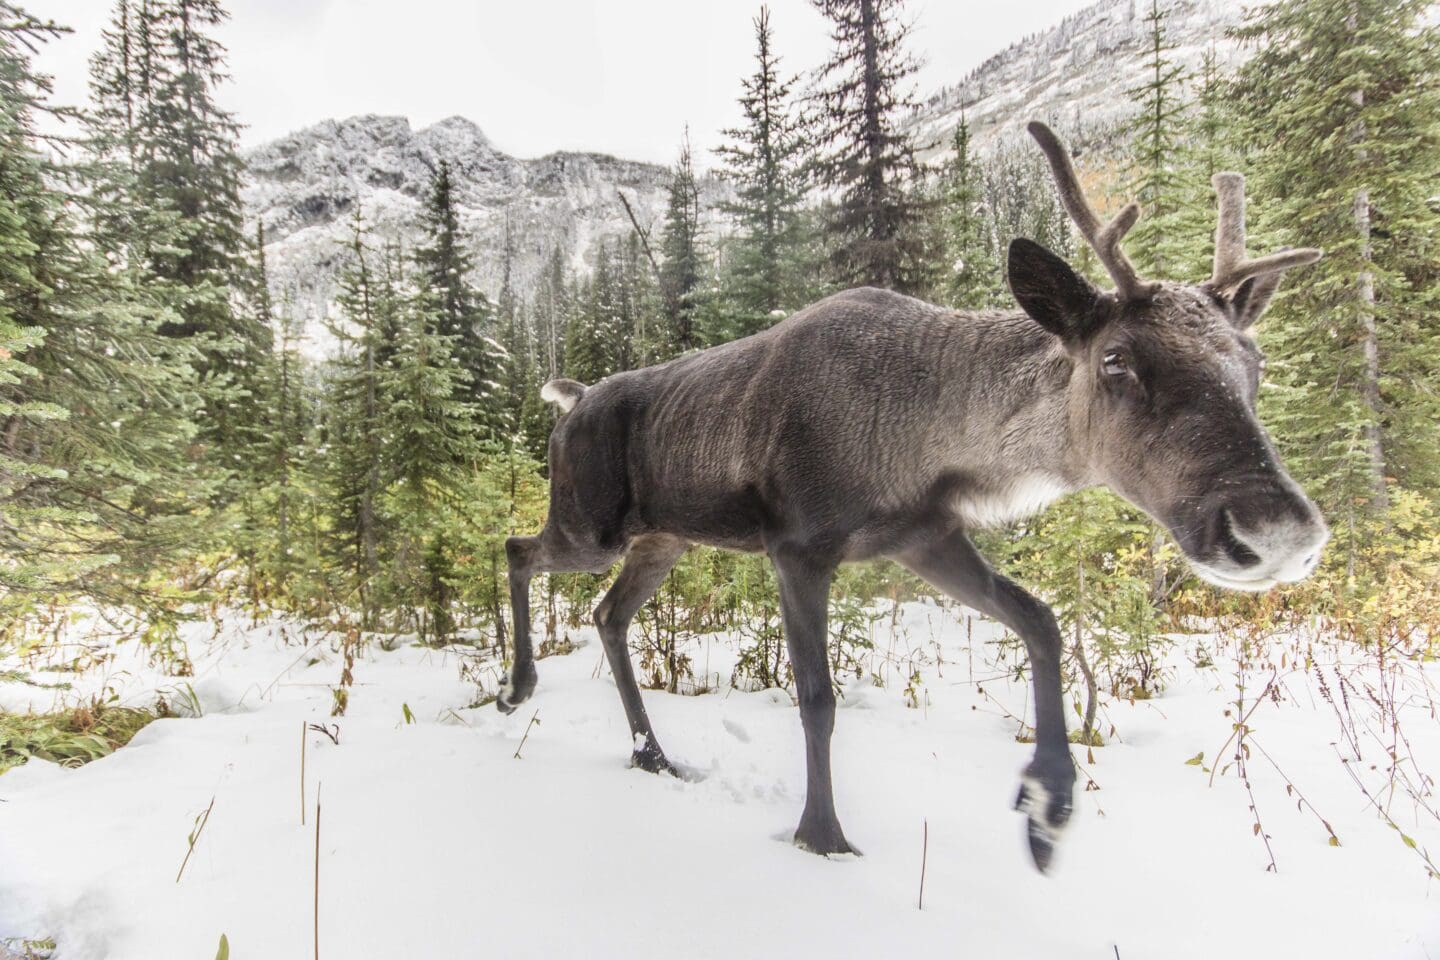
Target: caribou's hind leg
{"type": "Point", "coordinates": [649, 560]}
{"type": "Point", "coordinates": [953, 565]}
{"type": "Point", "coordinates": [527, 556]}
{"type": "Point", "coordinates": [804, 596]}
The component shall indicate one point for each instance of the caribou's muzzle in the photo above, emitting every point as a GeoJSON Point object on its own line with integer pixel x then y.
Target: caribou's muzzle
{"type": "Point", "coordinates": [1255, 541]}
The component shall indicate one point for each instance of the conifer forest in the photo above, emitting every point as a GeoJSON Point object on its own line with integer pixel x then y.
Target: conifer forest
{"type": "Point", "coordinates": [185, 484]}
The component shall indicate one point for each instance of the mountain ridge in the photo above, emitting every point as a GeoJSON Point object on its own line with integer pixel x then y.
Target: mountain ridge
{"type": "Point", "coordinates": [304, 187]}
{"type": "Point", "coordinates": [1075, 75]}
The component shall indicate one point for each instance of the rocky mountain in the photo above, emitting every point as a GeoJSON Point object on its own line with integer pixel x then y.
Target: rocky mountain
{"type": "Point", "coordinates": [306, 187]}
{"type": "Point", "coordinates": [1074, 75]}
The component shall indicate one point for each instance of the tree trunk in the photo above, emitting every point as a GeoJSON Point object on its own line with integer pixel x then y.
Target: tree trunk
{"type": "Point", "coordinates": [1370, 390]}
{"type": "Point", "coordinates": [1365, 293]}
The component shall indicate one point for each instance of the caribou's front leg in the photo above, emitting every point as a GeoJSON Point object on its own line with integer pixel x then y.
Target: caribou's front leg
{"type": "Point", "coordinates": [953, 565]}
{"type": "Point", "coordinates": [650, 559]}
{"type": "Point", "coordinates": [804, 597]}
{"type": "Point", "coordinates": [521, 554]}
{"type": "Point", "coordinates": [526, 557]}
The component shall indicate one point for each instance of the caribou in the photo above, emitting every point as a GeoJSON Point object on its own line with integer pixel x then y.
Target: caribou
{"type": "Point", "coordinates": [872, 424]}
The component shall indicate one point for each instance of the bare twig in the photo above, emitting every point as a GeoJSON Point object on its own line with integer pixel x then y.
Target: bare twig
{"type": "Point", "coordinates": [1240, 725]}
{"type": "Point", "coordinates": [534, 719]}
{"type": "Point", "coordinates": [330, 730]}
{"type": "Point", "coordinates": [317, 870]}
{"type": "Point", "coordinates": [304, 739]}
{"type": "Point", "coordinates": [924, 856]}
{"type": "Point", "coordinates": [1242, 748]}
{"type": "Point", "coordinates": [194, 838]}
{"type": "Point", "coordinates": [1430, 867]}
{"type": "Point", "coordinates": [672, 305]}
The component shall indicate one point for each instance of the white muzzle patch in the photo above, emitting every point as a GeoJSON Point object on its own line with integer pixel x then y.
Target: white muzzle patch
{"type": "Point", "coordinates": [1288, 550]}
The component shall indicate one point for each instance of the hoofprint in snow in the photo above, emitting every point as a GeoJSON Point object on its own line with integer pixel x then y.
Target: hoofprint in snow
{"type": "Point", "coordinates": [436, 841]}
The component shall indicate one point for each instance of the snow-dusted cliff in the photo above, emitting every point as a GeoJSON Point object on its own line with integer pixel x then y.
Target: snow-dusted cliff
{"type": "Point", "coordinates": [305, 188]}
{"type": "Point", "coordinates": [1075, 74]}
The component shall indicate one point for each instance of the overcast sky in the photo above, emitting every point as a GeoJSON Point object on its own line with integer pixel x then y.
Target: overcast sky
{"type": "Point", "coordinates": [616, 76]}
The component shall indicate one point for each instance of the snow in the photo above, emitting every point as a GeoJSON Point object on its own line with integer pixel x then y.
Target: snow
{"type": "Point", "coordinates": [437, 842]}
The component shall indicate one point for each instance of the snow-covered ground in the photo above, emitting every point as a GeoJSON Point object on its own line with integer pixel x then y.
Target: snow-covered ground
{"type": "Point", "coordinates": [436, 842]}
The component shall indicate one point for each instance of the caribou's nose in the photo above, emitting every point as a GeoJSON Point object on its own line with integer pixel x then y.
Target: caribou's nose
{"type": "Point", "coordinates": [1286, 544]}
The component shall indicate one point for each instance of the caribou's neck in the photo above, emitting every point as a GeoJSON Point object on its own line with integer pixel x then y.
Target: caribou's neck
{"type": "Point", "coordinates": [1006, 415]}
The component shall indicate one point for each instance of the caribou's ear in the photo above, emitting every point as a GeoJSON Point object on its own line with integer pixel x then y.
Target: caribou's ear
{"type": "Point", "coordinates": [1248, 298]}
{"type": "Point", "coordinates": [1251, 298]}
{"type": "Point", "coordinates": [1056, 297]}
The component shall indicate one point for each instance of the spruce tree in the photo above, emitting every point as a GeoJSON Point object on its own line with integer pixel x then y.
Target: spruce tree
{"type": "Point", "coordinates": [191, 166]}
{"type": "Point", "coordinates": [877, 226]}
{"type": "Point", "coordinates": [683, 269]}
{"type": "Point", "coordinates": [1208, 121]}
{"type": "Point", "coordinates": [119, 85]}
{"type": "Point", "coordinates": [355, 430]}
{"type": "Point", "coordinates": [454, 308]}
{"type": "Point", "coordinates": [95, 406]}
{"type": "Point", "coordinates": [549, 316]}
{"type": "Point", "coordinates": [276, 537]}
{"type": "Point", "coordinates": [531, 415]}
{"type": "Point", "coordinates": [1207, 147]}
{"type": "Point", "coordinates": [1171, 242]}
{"type": "Point", "coordinates": [1019, 198]}
{"type": "Point", "coordinates": [766, 274]}
{"type": "Point", "coordinates": [973, 278]}
{"type": "Point", "coordinates": [263, 521]}
{"type": "Point", "coordinates": [430, 445]}
{"type": "Point", "coordinates": [172, 159]}
{"type": "Point", "coordinates": [643, 335]}
{"type": "Point", "coordinates": [515, 353]}
{"type": "Point", "coordinates": [124, 75]}
{"type": "Point", "coordinates": [590, 337]}
{"type": "Point", "coordinates": [292, 414]}
{"type": "Point", "coordinates": [553, 303]}
{"type": "Point", "coordinates": [527, 415]}
{"type": "Point", "coordinates": [287, 450]}
{"type": "Point", "coordinates": [1161, 243]}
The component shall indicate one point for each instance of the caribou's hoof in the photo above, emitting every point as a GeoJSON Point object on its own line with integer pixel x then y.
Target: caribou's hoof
{"type": "Point", "coordinates": [652, 759]}
{"type": "Point", "coordinates": [515, 689]}
{"type": "Point", "coordinates": [1046, 802]}
{"type": "Point", "coordinates": [824, 839]}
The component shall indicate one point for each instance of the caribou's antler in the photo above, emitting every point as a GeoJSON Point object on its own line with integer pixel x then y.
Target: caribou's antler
{"type": "Point", "coordinates": [1105, 240]}
{"type": "Point", "coordinates": [1231, 267]}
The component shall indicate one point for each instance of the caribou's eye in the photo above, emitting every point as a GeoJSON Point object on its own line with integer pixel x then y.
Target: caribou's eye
{"type": "Point", "coordinates": [1114, 364]}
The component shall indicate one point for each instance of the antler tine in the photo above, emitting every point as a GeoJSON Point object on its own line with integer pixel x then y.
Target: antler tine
{"type": "Point", "coordinates": [1105, 240]}
{"type": "Point", "coordinates": [1231, 266]}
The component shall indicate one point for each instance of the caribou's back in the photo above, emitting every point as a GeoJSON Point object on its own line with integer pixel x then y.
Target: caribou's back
{"type": "Point", "coordinates": [831, 424]}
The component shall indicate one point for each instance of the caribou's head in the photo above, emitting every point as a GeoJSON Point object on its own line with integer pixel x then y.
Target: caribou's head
{"type": "Point", "coordinates": [1162, 392]}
